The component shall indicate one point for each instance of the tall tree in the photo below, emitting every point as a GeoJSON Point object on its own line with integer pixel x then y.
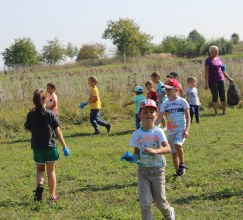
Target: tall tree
{"type": "Point", "coordinates": [21, 53]}
{"type": "Point", "coordinates": [198, 39]}
{"type": "Point", "coordinates": [91, 51]}
{"type": "Point", "coordinates": [53, 52]}
{"type": "Point", "coordinates": [128, 38]}
{"type": "Point", "coordinates": [71, 51]}
{"type": "Point", "coordinates": [235, 38]}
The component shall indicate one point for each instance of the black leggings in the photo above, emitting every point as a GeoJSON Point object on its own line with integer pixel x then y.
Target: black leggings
{"type": "Point", "coordinates": [217, 90]}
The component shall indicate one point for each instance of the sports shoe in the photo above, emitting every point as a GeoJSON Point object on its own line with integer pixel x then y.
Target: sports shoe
{"type": "Point", "coordinates": [182, 170]}
{"type": "Point", "coordinates": [108, 128]}
{"type": "Point", "coordinates": [96, 133]}
{"type": "Point", "coordinates": [38, 193]}
{"type": "Point", "coordinates": [54, 198]}
{"type": "Point", "coordinates": [172, 213]}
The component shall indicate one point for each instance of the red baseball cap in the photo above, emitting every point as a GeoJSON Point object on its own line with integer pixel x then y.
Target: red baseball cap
{"type": "Point", "coordinates": [172, 84]}
{"type": "Point", "coordinates": [148, 103]}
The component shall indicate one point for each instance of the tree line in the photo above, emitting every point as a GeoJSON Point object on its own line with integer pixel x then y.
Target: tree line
{"type": "Point", "coordinates": [128, 38]}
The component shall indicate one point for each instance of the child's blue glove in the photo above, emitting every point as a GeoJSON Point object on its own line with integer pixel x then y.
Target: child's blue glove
{"type": "Point", "coordinates": [223, 68]}
{"type": "Point", "coordinates": [131, 158]}
{"type": "Point", "coordinates": [66, 151]}
{"type": "Point", "coordinates": [83, 104]}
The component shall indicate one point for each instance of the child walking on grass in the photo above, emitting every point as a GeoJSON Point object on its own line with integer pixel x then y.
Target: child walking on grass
{"type": "Point", "coordinates": [43, 124]}
{"type": "Point", "coordinates": [160, 91]}
{"type": "Point", "coordinates": [95, 106]}
{"type": "Point", "coordinates": [193, 98]}
{"type": "Point", "coordinates": [52, 98]}
{"type": "Point", "coordinates": [136, 100]}
{"type": "Point", "coordinates": [151, 91]}
{"type": "Point", "coordinates": [150, 144]}
{"type": "Point", "coordinates": [176, 112]}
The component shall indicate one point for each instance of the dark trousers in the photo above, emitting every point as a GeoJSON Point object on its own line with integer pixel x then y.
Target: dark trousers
{"type": "Point", "coordinates": [195, 109]}
{"type": "Point", "coordinates": [217, 90]}
{"type": "Point", "coordinates": [95, 119]}
{"type": "Point", "coordinates": [137, 120]}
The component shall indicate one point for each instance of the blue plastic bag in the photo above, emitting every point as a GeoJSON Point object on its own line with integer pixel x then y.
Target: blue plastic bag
{"type": "Point", "coordinates": [131, 158]}
{"type": "Point", "coordinates": [83, 104]}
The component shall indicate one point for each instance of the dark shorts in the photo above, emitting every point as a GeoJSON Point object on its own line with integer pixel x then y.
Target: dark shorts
{"type": "Point", "coordinates": [41, 156]}
{"type": "Point", "coordinates": [217, 90]}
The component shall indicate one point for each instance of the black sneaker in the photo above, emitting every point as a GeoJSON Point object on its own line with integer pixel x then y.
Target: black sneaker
{"type": "Point", "coordinates": [108, 128]}
{"type": "Point", "coordinates": [182, 170]}
{"type": "Point", "coordinates": [96, 133]}
{"type": "Point", "coordinates": [38, 193]}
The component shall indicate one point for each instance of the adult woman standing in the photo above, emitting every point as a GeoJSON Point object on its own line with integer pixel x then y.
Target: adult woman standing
{"type": "Point", "coordinates": [214, 78]}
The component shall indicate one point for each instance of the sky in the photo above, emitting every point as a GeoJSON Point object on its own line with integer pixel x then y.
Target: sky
{"type": "Point", "coordinates": [83, 22]}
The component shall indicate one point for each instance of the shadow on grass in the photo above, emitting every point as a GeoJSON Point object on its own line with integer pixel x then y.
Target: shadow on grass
{"type": "Point", "coordinates": [224, 194]}
{"type": "Point", "coordinates": [121, 133]}
{"type": "Point", "coordinates": [78, 135]}
{"type": "Point", "coordinates": [94, 188]}
{"type": "Point", "coordinates": [9, 203]}
{"type": "Point", "coordinates": [16, 141]}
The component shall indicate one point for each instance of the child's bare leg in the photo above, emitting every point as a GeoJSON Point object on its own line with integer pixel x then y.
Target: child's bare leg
{"type": "Point", "coordinates": [180, 153]}
{"type": "Point", "coordinates": [175, 160]}
{"type": "Point", "coordinates": [40, 173]}
{"type": "Point", "coordinates": [51, 178]}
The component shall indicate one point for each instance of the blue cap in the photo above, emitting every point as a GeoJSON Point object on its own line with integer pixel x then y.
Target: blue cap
{"type": "Point", "coordinates": [138, 89]}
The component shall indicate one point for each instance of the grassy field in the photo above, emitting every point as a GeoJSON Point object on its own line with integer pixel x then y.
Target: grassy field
{"type": "Point", "coordinates": [94, 184]}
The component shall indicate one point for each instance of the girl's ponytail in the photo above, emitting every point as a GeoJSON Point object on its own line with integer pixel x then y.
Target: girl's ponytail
{"type": "Point", "coordinates": [39, 97]}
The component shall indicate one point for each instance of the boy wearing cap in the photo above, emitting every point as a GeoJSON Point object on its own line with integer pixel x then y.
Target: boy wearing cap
{"type": "Point", "coordinates": [150, 144]}
{"type": "Point", "coordinates": [177, 114]}
{"type": "Point", "coordinates": [174, 75]}
{"type": "Point", "coordinates": [136, 100]}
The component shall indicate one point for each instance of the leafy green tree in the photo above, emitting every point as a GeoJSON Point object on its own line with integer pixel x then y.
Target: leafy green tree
{"type": "Point", "coordinates": [53, 52]}
{"type": "Point", "coordinates": [71, 51]}
{"type": "Point", "coordinates": [91, 51]}
{"type": "Point", "coordinates": [235, 38]}
{"type": "Point", "coordinates": [21, 53]}
{"type": "Point", "coordinates": [128, 38]}
{"type": "Point", "coordinates": [225, 46]}
{"type": "Point", "coordinates": [198, 40]}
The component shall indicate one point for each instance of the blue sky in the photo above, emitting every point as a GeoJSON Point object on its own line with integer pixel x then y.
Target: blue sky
{"type": "Point", "coordinates": [81, 22]}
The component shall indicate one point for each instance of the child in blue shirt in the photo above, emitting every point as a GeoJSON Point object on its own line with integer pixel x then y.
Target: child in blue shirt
{"type": "Point", "coordinates": [160, 91]}
{"type": "Point", "coordinates": [137, 100]}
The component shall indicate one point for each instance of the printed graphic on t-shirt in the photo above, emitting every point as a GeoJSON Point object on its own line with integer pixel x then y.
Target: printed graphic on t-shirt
{"type": "Point", "coordinates": [175, 114]}
{"type": "Point", "coordinates": [149, 139]}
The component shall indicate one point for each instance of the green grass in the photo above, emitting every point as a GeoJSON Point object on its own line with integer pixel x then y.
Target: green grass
{"type": "Point", "coordinates": [94, 184]}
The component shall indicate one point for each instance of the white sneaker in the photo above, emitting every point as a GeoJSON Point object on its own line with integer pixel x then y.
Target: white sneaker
{"type": "Point", "coordinates": [172, 213]}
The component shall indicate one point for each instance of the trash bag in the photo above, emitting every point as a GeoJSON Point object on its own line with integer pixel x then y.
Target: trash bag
{"type": "Point", "coordinates": [233, 95]}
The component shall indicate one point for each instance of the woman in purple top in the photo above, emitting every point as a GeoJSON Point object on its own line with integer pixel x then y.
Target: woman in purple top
{"type": "Point", "coordinates": [214, 77]}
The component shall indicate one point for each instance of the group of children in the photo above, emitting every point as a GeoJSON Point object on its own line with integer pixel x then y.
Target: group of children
{"type": "Point", "coordinates": [167, 106]}
{"type": "Point", "coordinates": [164, 105]}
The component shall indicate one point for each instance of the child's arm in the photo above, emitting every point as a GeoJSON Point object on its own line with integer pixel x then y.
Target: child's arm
{"type": "Point", "coordinates": [136, 152]}
{"type": "Point", "coordinates": [129, 103]}
{"type": "Point", "coordinates": [164, 149]}
{"type": "Point", "coordinates": [161, 118]}
{"type": "Point", "coordinates": [188, 122]}
{"type": "Point", "coordinates": [59, 135]}
{"type": "Point", "coordinates": [92, 99]}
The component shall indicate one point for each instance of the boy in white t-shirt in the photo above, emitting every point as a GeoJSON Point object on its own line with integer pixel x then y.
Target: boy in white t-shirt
{"type": "Point", "coordinates": [193, 98]}
{"type": "Point", "coordinates": [150, 144]}
{"type": "Point", "coordinates": [176, 112]}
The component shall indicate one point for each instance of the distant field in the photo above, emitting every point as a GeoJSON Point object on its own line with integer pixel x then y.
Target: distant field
{"type": "Point", "coordinates": [94, 184]}
{"type": "Point", "coordinates": [116, 84]}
